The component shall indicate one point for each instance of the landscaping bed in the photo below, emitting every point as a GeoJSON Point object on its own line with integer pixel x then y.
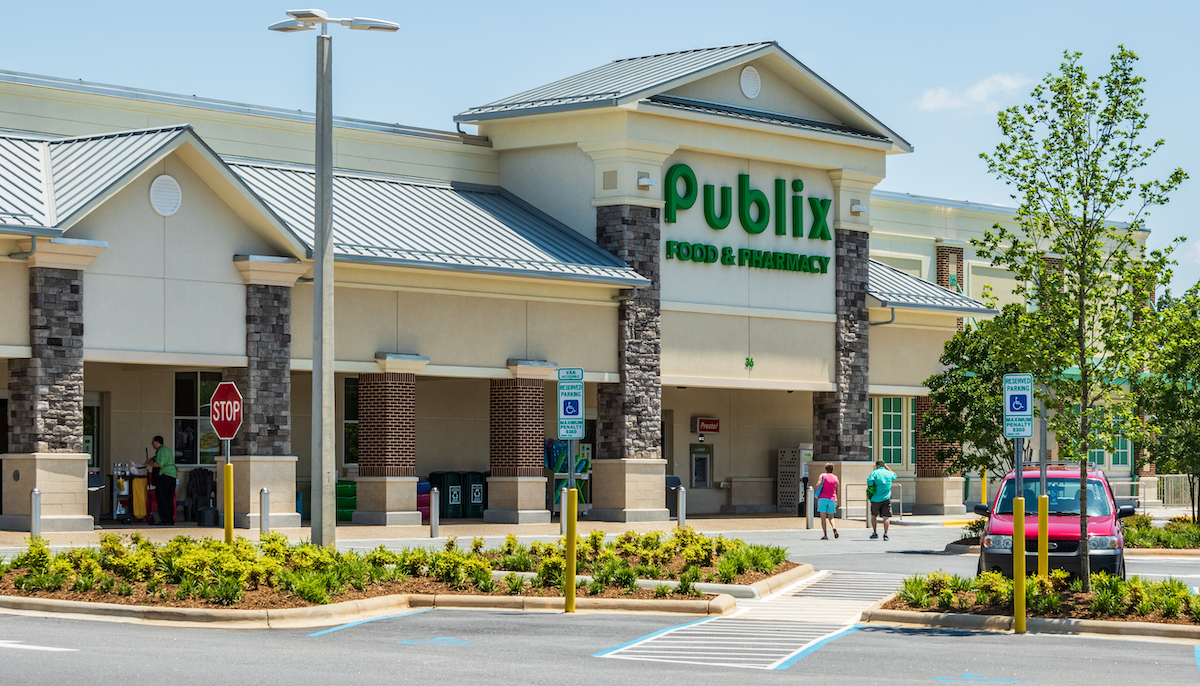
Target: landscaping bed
{"type": "Point", "coordinates": [1055, 597]}
{"type": "Point", "coordinates": [275, 574]}
{"type": "Point", "coordinates": [1179, 533]}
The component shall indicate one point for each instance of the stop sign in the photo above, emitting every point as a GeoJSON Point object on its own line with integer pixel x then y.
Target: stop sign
{"type": "Point", "coordinates": [226, 410]}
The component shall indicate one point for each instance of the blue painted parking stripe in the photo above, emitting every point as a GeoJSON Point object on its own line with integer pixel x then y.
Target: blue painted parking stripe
{"type": "Point", "coordinates": [364, 621]}
{"type": "Point", "coordinates": [1198, 659]}
{"type": "Point", "coordinates": [647, 637]}
{"type": "Point", "coordinates": [814, 647]}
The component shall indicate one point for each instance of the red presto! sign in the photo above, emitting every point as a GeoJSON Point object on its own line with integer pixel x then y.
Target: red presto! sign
{"type": "Point", "coordinates": [708, 425]}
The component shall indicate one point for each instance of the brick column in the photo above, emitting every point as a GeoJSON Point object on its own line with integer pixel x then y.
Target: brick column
{"type": "Point", "coordinates": [387, 449]}
{"type": "Point", "coordinates": [937, 492]}
{"type": "Point", "coordinates": [45, 409]}
{"type": "Point", "coordinates": [517, 415]}
{"type": "Point", "coordinates": [629, 470]}
{"type": "Point", "coordinates": [946, 254]}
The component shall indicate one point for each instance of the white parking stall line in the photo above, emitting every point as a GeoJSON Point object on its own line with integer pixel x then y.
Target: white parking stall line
{"type": "Point", "coordinates": [20, 645]}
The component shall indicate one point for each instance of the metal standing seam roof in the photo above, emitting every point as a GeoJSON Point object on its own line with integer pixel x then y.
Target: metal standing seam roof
{"type": "Point", "coordinates": [894, 288]}
{"type": "Point", "coordinates": [430, 224]}
{"type": "Point", "coordinates": [720, 109]}
{"type": "Point", "coordinates": [616, 80]}
{"type": "Point", "coordinates": [44, 181]}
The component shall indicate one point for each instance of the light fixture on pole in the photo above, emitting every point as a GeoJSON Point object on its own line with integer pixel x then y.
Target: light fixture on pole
{"type": "Point", "coordinates": [324, 510]}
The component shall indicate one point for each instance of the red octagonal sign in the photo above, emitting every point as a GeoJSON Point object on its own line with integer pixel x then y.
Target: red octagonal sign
{"type": "Point", "coordinates": [226, 406]}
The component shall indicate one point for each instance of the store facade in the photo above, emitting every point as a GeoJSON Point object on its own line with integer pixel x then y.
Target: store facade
{"type": "Point", "coordinates": [698, 231]}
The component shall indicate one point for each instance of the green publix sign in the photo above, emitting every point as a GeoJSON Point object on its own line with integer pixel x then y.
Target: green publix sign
{"type": "Point", "coordinates": [754, 215]}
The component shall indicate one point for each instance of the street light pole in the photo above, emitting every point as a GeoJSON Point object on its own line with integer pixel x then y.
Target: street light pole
{"type": "Point", "coordinates": [324, 438]}
{"type": "Point", "coordinates": [324, 513]}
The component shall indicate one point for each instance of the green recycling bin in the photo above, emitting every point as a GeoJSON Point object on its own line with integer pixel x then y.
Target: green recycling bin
{"type": "Point", "coordinates": [450, 490]}
{"type": "Point", "coordinates": [473, 503]}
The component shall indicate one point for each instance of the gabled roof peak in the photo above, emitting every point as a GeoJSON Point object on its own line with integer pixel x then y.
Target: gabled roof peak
{"type": "Point", "coordinates": [759, 44]}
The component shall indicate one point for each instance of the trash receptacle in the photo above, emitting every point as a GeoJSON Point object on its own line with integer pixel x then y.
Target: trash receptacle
{"type": "Point", "coordinates": [673, 484]}
{"type": "Point", "coordinates": [472, 495]}
{"type": "Point", "coordinates": [450, 494]}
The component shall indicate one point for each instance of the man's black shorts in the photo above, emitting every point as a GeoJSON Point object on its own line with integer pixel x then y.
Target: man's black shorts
{"type": "Point", "coordinates": [883, 509]}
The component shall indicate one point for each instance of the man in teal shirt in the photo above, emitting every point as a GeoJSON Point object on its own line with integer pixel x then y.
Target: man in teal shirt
{"type": "Point", "coordinates": [165, 474]}
{"type": "Point", "coordinates": [881, 499]}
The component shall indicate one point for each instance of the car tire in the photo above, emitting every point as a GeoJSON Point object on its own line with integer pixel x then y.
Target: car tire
{"type": "Point", "coordinates": [1121, 569]}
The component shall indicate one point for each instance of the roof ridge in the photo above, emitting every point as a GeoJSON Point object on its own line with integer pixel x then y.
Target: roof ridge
{"type": "Point", "coordinates": [684, 52]}
{"type": "Point", "coordinates": [118, 134]}
{"type": "Point", "coordinates": [237, 160]}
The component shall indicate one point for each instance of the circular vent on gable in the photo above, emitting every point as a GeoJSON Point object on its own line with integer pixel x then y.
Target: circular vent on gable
{"type": "Point", "coordinates": [165, 195]}
{"type": "Point", "coordinates": [751, 82]}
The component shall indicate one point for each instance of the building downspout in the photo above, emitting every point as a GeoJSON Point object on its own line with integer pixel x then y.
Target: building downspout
{"type": "Point", "coordinates": [24, 255]}
{"type": "Point", "coordinates": [890, 321]}
{"type": "Point", "coordinates": [624, 298]}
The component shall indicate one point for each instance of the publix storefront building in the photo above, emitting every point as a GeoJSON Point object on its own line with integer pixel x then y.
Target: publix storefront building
{"type": "Point", "coordinates": [698, 231]}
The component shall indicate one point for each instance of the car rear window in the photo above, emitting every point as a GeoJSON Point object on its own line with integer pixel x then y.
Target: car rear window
{"type": "Point", "coordinates": [1064, 497]}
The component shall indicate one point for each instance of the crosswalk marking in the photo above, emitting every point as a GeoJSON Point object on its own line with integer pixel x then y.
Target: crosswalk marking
{"type": "Point", "coordinates": [770, 633]}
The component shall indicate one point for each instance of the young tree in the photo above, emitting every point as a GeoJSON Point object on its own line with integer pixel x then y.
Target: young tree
{"type": "Point", "coordinates": [1171, 391]}
{"type": "Point", "coordinates": [968, 419]}
{"type": "Point", "coordinates": [1075, 158]}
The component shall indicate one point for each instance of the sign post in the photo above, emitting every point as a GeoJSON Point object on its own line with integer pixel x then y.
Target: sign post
{"type": "Point", "coordinates": [571, 425]}
{"type": "Point", "coordinates": [226, 413]}
{"type": "Point", "coordinates": [1018, 424]}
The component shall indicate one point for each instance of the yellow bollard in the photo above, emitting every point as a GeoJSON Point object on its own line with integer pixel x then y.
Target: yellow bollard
{"type": "Point", "coordinates": [1043, 535]}
{"type": "Point", "coordinates": [1019, 565]}
{"type": "Point", "coordinates": [570, 509]}
{"type": "Point", "coordinates": [228, 502]}
{"type": "Point", "coordinates": [983, 489]}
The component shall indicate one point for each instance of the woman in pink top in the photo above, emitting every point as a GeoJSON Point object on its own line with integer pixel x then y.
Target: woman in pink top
{"type": "Point", "coordinates": [826, 492]}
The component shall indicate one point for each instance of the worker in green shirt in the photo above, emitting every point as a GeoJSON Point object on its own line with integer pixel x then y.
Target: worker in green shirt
{"type": "Point", "coordinates": [165, 474]}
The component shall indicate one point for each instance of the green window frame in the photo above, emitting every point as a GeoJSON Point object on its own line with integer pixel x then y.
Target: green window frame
{"type": "Point", "coordinates": [350, 421]}
{"type": "Point", "coordinates": [912, 434]}
{"type": "Point", "coordinates": [891, 430]}
{"type": "Point", "coordinates": [1120, 455]}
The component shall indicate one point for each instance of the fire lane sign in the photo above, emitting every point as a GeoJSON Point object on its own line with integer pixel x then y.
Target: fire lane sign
{"type": "Point", "coordinates": [1018, 406]}
{"type": "Point", "coordinates": [570, 404]}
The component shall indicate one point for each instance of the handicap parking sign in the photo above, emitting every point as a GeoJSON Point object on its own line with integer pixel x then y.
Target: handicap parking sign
{"type": "Point", "coordinates": [1018, 402]}
{"type": "Point", "coordinates": [570, 407]}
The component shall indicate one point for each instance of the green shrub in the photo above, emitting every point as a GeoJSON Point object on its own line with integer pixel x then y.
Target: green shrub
{"type": "Point", "coordinates": [477, 545]}
{"type": "Point", "coordinates": [626, 578]}
{"type": "Point", "coordinates": [511, 545]}
{"type": "Point", "coordinates": [945, 599]}
{"type": "Point", "coordinates": [595, 587]}
{"type": "Point", "coordinates": [513, 583]}
{"type": "Point", "coordinates": [550, 572]}
{"type": "Point", "coordinates": [1139, 521]}
{"type": "Point", "coordinates": [105, 583]}
{"type": "Point", "coordinates": [687, 583]}
{"type": "Point", "coordinates": [382, 557]}
{"type": "Point", "coordinates": [1171, 606]}
{"type": "Point", "coordinates": [1103, 603]}
{"type": "Point", "coordinates": [125, 589]}
{"type": "Point", "coordinates": [451, 543]}
{"type": "Point", "coordinates": [974, 528]}
{"type": "Point", "coordinates": [310, 585]}
{"type": "Point", "coordinates": [962, 584]}
{"type": "Point", "coordinates": [936, 581]}
{"type": "Point", "coordinates": [226, 591]}
{"type": "Point", "coordinates": [414, 561]}
{"type": "Point", "coordinates": [594, 542]}
{"type": "Point", "coordinates": [728, 570]}
{"type": "Point", "coordinates": [662, 591]}
{"type": "Point", "coordinates": [518, 561]}
{"type": "Point", "coordinates": [36, 557]}
{"type": "Point", "coordinates": [914, 591]}
{"type": "Point", "coordinates": [83, 583]}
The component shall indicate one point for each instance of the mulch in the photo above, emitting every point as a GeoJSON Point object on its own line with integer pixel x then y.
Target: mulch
{"type": "Point", "coordinates": [266, 598]}
{"type": "Point", "coordinates": [1074, 606]}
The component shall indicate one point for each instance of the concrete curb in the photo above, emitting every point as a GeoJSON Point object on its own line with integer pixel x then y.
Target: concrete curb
{"type": "Point", "coordinates": [1164, 552]}
{"type": "Point", "coordinates": [961, 549]}
{"type": "Point", "coordinates": [1037, 625]}
{"type": "Point", "coordinates": [340, 613]}
{"type": "Point", "coordinates": [752, 591]}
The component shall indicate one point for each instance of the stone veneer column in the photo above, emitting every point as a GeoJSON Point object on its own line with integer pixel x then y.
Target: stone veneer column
{"type": "Point", "coordinates": [45, 406]}
{"type": "Point", "coordinates": [628, 474]}
{"type": "Point", "coordinates": [387, 442]}
{"type": "Point", "coordinates": [262, 451]}
{"type": "Point", "coordinates": [517, 414]}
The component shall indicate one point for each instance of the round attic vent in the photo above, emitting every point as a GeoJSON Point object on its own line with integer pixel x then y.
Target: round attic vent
{"type": "Point", "coordinates": [751, 83]}
{"type": "Point", "coordinates": [165, 195]}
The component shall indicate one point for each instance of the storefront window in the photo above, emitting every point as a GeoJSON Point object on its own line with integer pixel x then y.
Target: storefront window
{"type": "Point", "coordinates": [891, 431]}
{"type": "Point", "coordinates": [195, 442]}
{"type": "Point", "coordinates": [350, 423]}
{"type": "Point", "coordinates": [871, 427]}
{"type": "Point", "coordinates": [91, 433]}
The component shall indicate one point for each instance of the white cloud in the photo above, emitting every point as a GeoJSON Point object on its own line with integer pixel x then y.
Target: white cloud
{"type": "Point", "coordinates": [987, 95]}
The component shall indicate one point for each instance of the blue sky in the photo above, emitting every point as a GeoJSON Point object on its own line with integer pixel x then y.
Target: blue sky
{"type": "Point", "coordinates": [936, 72]}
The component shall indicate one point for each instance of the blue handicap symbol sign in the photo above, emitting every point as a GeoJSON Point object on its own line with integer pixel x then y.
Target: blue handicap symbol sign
{"type": "Point", "coordinates": [1018, 402]}
{"type": "Point", "coordinates": [571, 407]}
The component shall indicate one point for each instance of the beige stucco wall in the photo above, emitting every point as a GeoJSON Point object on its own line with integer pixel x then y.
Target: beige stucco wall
{"type": "Point", "coordinates": [48, 110]}
{"type": "Point", "coordinates": [716, 346]}
{"type": "Point", "coordinates": [775, 94]}
{"type": "Point", "coordinates": [167, 284]}
{"type": "Point", "coordinates": [557, 180]}
{"type": "Point", "coordinates": [465, 327]}
{"type": "Point", "coordinates": [754, 424]}
{"type": "Point", "coordinates": [14, 307]}
{"type": "Point", "coordinates": [139, 404]}
{"type": "Point", "coordinates": [906, 353]}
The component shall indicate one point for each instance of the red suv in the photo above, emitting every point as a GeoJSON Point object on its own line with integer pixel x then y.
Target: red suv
{"type": "Point", "coordinates": [1106, 541]}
